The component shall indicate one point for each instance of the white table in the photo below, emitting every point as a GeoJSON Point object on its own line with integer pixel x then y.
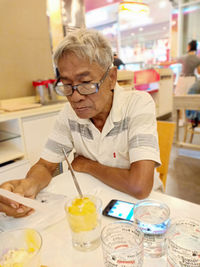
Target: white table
{"type": "Point", "coordinates": [57, 249]}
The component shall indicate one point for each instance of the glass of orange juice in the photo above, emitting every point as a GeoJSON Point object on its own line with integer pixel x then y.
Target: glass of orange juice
{"type": "Point", "coordinates": [84, 218]}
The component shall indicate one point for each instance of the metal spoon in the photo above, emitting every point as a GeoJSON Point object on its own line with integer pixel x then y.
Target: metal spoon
{"type": "Point", "coordinates": [73, 175]}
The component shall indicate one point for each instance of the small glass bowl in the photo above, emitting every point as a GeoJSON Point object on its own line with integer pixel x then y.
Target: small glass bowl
{"type": "Point", "coordinates": [20, 247]}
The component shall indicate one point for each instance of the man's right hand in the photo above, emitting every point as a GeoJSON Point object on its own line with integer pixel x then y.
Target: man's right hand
{"type": "Point", "coordinates": [22, 187]}
{"type": "Point", "coordinates": [38, 177]}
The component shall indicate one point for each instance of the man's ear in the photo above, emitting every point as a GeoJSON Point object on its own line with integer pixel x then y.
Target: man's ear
{"type": "Point", "coordinates": [113, 77]}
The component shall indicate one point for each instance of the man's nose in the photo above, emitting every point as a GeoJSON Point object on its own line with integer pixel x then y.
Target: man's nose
{"type": "Point", "coordinates": [76, 96]}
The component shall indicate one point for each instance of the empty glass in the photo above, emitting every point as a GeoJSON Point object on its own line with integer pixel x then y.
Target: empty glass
{"type": "Point", "coordinates": [122, 245]}
{"type": "Point", "coordinates": [183, 243]}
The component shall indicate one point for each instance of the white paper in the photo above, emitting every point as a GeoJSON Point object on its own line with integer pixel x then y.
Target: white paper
{"type": "Point", "coordinates": [50, 212]}
{"type": "Point", "coordinates": [28, 202]}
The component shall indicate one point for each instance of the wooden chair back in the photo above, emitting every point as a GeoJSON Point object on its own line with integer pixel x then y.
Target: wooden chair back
{"type": "Point", "coordinates": [189, 129]}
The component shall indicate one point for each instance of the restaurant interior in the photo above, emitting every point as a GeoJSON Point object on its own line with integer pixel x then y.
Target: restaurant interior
{"type": "Point", "coordinates": [148, 36]}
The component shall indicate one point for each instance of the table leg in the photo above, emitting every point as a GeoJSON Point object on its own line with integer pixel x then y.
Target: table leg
{"type": "Point", "coordinates": [177, 125]}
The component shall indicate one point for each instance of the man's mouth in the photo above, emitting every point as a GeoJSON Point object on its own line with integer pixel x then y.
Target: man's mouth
{"type": "Point", "coordinates": [81, 108]}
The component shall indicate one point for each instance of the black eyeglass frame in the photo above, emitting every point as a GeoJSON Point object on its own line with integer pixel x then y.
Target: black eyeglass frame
{"type": "Point", "coordinates": [75, 87]}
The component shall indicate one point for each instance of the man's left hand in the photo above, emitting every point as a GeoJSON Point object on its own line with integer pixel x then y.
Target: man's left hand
{"type": "Point", "coordinates": [80, 164]}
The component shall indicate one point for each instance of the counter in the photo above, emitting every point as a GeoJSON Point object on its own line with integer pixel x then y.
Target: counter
{"type": "Point", "coordinates": [7, 115]}
{"type": "Point", "coordinates": [157, 82]}
{"type": "Point", "coordinates": [26, 131]}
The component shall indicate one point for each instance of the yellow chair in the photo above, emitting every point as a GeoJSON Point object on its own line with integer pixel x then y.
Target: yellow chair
{"type": "Point", "coordinates": [165, 137]}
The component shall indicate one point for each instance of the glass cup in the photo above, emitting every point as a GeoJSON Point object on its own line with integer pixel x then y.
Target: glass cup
{"type": "Point", "coordinates": [152, 218]}
{"type": "Point", "coordinates": [122, 245]}
{"type": "Point", "coordinates": [84, 218]}
{"type": "Point", "coordinates": [183, 243]}
{"type": "Point", "coordinates": [20, 248]}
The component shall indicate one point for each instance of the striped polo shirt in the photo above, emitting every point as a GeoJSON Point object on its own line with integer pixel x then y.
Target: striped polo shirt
{"type": "Point", "coordinates": [129, 133]}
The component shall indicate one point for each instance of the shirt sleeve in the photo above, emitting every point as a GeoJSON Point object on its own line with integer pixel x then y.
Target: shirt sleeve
{"type": "Point", "coordinates": [142, 133]}
{"type": "Point", "coordinates": [59, 138]}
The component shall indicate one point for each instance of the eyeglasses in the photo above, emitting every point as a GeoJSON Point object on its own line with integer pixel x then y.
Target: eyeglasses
{"type": "Point", "coordinates": [82, 88]}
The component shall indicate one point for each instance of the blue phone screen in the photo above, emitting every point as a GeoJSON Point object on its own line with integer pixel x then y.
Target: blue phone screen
{"type": "Point", "coordinates": [122, 210]}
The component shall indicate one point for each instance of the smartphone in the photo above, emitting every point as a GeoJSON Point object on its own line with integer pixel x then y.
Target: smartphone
{"type": "Point", "coordinates": [119, 209]}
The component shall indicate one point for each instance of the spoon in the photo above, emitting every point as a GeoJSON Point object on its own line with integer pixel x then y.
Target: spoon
{"type": "Point", "coordinates": [73, 175]}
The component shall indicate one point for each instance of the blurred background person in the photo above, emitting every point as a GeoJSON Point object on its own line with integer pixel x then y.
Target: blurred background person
{"type": "Point", "coordinates": [118, 62]}
{"type": "Point", "coordinates": [188, 82]}
{"type": "Point", "coordinates": [190, 63]}
{"type": "Point", "coordinates": [193, 115]}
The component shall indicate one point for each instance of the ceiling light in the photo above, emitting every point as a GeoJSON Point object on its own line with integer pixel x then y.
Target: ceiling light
{"type": "Point", "coordinates": [137, 7]}
{"type": "Point", "coordinates": [163, 4]}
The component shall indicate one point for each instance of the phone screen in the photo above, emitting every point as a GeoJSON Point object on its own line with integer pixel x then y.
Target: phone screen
{"type": "Point", "coordinates": [122, 210]}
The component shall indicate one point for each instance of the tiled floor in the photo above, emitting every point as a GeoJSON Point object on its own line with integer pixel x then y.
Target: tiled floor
{"type": "Point", "coordinates": [183, 179]}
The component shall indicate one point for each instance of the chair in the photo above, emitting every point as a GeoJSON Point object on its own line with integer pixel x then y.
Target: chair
{"type": "Point", "coordinates": [191, 130]}
{"type": "Point", "coordinates": [165, 138]}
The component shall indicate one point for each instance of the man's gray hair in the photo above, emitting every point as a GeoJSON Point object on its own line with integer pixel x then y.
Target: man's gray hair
{"type": "Point", "coordinates": [86, 44]}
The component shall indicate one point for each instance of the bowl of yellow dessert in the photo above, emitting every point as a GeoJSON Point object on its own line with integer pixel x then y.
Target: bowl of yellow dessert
{"type": "Point", "coordinates": [84, 218]}
{"type": "Point", "coordinates": [20, 248]}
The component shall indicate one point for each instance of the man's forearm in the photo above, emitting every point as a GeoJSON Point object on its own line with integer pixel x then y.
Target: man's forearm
{"type": "Point", "coordinates": [40, 175]}
{"type": "Point", "coordinates": [106, 174]}
{"type": "Point", "coordinates": [136, 181]}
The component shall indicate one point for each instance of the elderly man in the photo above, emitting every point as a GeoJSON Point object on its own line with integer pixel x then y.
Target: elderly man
{"type": "Point", "coordinates": [112, 131]}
